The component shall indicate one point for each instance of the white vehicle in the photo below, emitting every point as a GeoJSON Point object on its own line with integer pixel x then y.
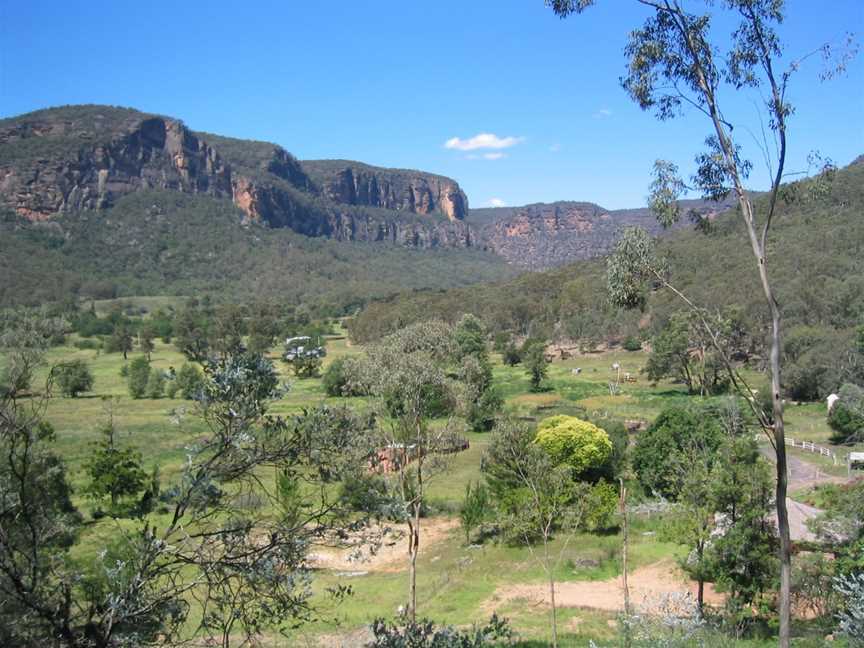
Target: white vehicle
{"type": "Point", "coordinates": [301, 347]}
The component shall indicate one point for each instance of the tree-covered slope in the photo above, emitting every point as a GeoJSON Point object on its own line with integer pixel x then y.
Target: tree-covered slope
{"type": "Point", "coordinates": [159, 242]}
{"type": "Point", "coordinates": [816, 261]}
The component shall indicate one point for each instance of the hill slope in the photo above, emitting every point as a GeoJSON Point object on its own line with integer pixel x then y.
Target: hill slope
{"type": "Point", "coordinates": [817, 265]}
{"type": "Point", "coordinates": [542, 236]}
{"type": "Point", "coordinates": [81, 158]}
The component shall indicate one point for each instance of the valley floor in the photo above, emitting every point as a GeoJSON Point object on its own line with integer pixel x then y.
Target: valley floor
{"type": "Point", "coordinates": [458, 583]}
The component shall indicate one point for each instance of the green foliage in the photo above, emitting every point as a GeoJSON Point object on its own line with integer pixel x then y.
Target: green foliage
{"type": "Point", "coordinates": [364, 492]}
{"type": "Point", "coordinates": [424, 634]}
{"type": "Point", "coordinates": [685, 352]}
{"type": "Point", "coordinates": [145, 337]}
{"type": "Point", "coordinates": [470, 336]}
{"type": "Point", "coordinates": [847, 416]}
{"type": "Point", "coordinates": [536, 364]}
{"type": "Point", "coordinates": [306, 366]}
{"type": "Point", "coordinates": [475, 509]}
{"type": "Point", "coordinates": [632, 343]}
{"type": "Point", "coordinates": [139, 376]}
{"type": "Point", "coordinates": [660, 456]}
{"type": "Point", "coordinates": [73, 377]}
{"type": "Point", "coordinates": [581, 446]}
{"type": "Point", "coordinates": [189, 381]}
{"type": "Point", "coordinates": [113, 472]}
{"type": "Point", "coordinates": [512, 355]}
{"type": "Point", "coordinates": [600, 507]}
{"type": "Point", "coordinates": [155, 384]}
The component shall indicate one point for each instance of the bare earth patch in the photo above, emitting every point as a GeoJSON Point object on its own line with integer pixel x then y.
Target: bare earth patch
{"type": "Point", "coordinates": [648, 586]}
{"type": "Point", "coordinates": [391, 556]}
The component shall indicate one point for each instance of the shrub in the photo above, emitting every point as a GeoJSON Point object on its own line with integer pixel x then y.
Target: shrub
{"type": "Point", "coordinates": [424, 634]}
{"type": "Point", "coordinates": [847, 416]}
{"type": "Point", "coordinates": [155, 384]}
{"type": "Point", "coordinates": [581, 445]}
{"type": "Point", "coordinates": [342, 378]}
{"type": "Point", "coordinates": [139, 376]}
{"type": "Point", "coordinates": [365, 493]}
{"type": "Point", "coordinates": [512, 356]}
{"type": "Point", "coordinates": [632, 343]}
{"type": "Point", "coordinates": [171, 388]}
{"type": "Point", "coordinates": [660, 452]}
{"type": "Point", "coordinates": [475, 508]}
{"type": "Point", "coordinates": [189, 381]}
{"type": "Point", "coordinates": [73, 377]}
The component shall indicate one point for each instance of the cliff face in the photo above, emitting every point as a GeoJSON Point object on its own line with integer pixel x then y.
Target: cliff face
{"type": "Point", "coordinates": [63, 161]}
{"type": "Point", "coordinates": [353, 183]}
{"type": "Point", "coordinates": [543, 236]}
{"type": "Point", "coordinates": [155, 153]}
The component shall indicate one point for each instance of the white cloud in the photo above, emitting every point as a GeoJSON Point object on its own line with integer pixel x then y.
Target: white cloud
{"type": "Point", "coordinates": [555, 147]}
{"type": "Point", "coordinates": [496, 202]}
{"type": "Point", "coordinates": [603, 113]}
{"type": "Point", "coordinates": [485, 156]}
{"type": "Point", "coordinates": [482, 141]}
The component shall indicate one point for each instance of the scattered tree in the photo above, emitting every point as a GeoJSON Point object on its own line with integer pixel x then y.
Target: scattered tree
{"type": "Point", "coordinates": [113, 472]}
{"type": "Point", "coordinates": [138, 377]}
{"type": "Point", "coordinates": [536, 364]}
{"type": "Point", "coordinates": [475, 508]}
{"type": "Point", "coordinates": [674, 64]}
{"type": "Point", "coordinates": [73, 377]}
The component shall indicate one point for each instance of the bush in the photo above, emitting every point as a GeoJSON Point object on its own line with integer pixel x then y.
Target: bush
{"type": "Point", "coordinates": [171, 388]}
{"type": "Point", "coordinates": [581, 445]}
{"type": "Point", "coordinates": [847, 416]}
{"type": "Point", "coordinates": [512, 356]}
{"type": "Point", "coordinates": [659, 456]}
{"type": "Point", "coordinates": [87, 344]}
{"type": "Point", "coordinates": [365, 493]}
{"type": "Point", "coordinates": [189, 381]}
{"type": "Point", "coordinates": [73, 377]}
{"type": "Point", "coordinates": [341, 378]}
{"type": "Point", "coordinates": [632, 343]}
{"type": "Point", "coordinates": [139, 377]}
{"type": "Point", "coordinates": [155, 384]}
{"type": "Point", "coordinates": [424, 634]}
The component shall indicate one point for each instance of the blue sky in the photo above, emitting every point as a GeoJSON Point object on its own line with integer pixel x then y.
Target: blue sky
{"type": "Point", "coordinates": [390, 83]}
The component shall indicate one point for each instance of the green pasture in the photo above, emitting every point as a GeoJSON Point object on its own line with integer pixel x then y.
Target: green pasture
{"type": "Point", "coordinates": [457, 583]}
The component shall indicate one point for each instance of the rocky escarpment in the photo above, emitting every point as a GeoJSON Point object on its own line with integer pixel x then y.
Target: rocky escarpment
{"type": "Point", "coordinates": [353, 183]}
{"type": "Point", "coordinates": [67, 160]}
{"type": "Point", "coordinates": [543, 235]}
{"type": "Point", "coordinates": [148, 153]}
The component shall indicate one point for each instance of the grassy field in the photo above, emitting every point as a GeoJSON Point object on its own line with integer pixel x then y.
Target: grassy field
{"type": "Point", "coordinates": [457, 583]}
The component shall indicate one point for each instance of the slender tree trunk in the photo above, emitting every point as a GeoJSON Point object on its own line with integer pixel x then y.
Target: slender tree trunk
{"type": "Point", "coordinates": [413, 549]}
{"type": "Point", "coordinates": [625, 532]}
{"type": "Point", "coordinates": [551, 575]}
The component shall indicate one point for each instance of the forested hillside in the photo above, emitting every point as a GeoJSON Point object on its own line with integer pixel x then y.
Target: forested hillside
{"type": "Point", "coordinates": [817, 263]}
{"type": "Point", "coordinates": [167, 243]}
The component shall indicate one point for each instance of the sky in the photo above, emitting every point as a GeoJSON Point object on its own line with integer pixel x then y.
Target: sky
{"type": "Point", "coordinates": [515, 104]}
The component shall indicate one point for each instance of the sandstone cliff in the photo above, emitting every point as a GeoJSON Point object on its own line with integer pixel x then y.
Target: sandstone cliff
{"type": "Point", "coordinates": [354, 183]}
{"type": "Point", "coordinates": [542, 236]}
{"type": "Point", "coordinates": [67, 160]}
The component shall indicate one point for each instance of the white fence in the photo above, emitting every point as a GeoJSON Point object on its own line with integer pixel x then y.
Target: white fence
{"type": "Point", "coordinates": [812, 447]}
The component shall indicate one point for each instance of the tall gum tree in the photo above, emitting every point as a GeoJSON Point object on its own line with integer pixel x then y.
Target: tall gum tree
{"type": "Point", "coordinates": [673, 65]}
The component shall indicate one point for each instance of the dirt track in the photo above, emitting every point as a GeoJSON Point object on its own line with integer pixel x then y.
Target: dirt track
{"type": "Point", "coordinates": [649, 586]}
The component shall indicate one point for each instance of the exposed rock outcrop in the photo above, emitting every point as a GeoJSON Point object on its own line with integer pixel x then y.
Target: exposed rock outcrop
{"type": "Point", "coordinates": [353, 183]}
{"type": "Point", "coordinates": [66, 160]}
{"type": "Point", "coordinates": [544, 235]}
{"type": "Point", "coordinates": [157, 153]}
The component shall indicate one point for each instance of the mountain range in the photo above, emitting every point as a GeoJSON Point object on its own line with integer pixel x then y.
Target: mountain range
{"type": "Point", "coordinates": [105, 195]}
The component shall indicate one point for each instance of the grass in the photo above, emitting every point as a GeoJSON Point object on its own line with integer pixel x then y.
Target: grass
{"type": "Point", "coordinates": [455, 581]}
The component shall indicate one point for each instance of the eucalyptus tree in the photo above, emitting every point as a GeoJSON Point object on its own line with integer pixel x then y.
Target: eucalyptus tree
{"type": "Point", "coordinates": [409, 374]}
{"type": "Point", "coordinates": [673, 65]}
{"type": "Point", "coordinates": [245, 564]}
